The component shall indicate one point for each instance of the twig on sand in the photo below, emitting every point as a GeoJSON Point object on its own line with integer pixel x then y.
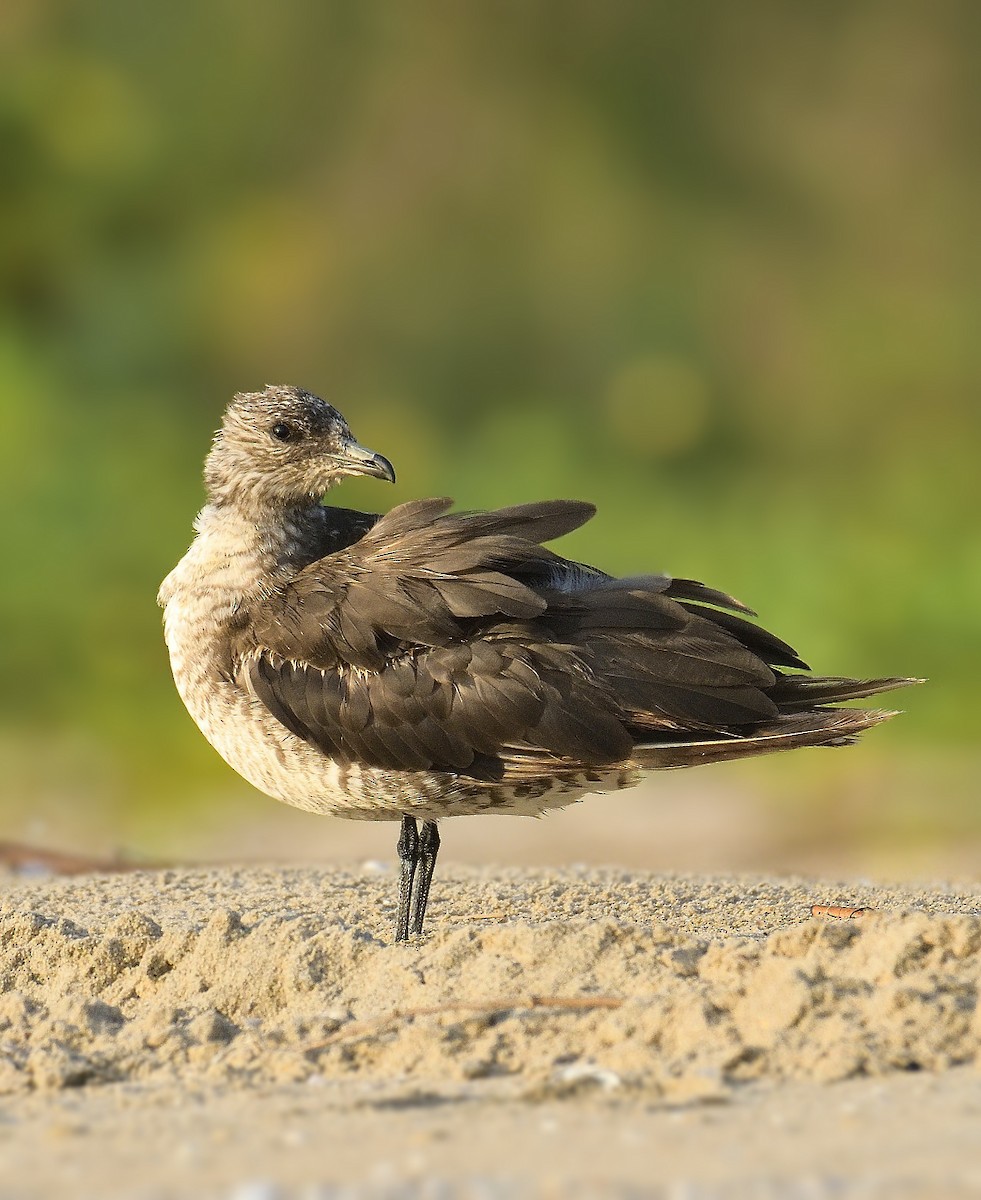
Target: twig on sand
{"type": "Point", "coordinates": [492, 1008]}
{"type": "Point", "coordinates": [839, 912]}
{"type": "Point", "coordinates": [491, 916]}
{"type": "Point", "coordinates": [18, 857]}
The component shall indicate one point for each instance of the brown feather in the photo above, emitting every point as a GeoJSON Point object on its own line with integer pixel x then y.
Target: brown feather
{"type": "Point", "coordinates": [456, 642]}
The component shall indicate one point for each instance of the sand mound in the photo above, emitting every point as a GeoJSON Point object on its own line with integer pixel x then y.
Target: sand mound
{"type": "Point", "coordinates": [153, 989]}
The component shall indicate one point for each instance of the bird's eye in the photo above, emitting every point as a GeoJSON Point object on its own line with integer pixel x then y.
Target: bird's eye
{"type": "Point", "coordinates": [283, 432]}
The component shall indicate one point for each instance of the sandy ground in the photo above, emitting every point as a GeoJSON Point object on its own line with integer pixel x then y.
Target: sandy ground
{"type": "Point", "coordinates": [250, 1033]}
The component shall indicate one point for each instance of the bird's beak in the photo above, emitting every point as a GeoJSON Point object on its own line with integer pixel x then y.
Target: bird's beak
{"type": "Point", "coordinates": [358, 460]}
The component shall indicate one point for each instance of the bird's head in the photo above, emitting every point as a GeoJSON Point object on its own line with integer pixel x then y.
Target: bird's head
{"type": "Point", "coordinates": [283, 446]}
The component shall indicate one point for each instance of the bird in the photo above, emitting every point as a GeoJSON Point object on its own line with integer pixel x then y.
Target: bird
{"type": "Point", "coordinates": [427, 663]}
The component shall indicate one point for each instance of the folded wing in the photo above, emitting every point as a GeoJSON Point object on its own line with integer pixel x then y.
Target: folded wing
{"type": "Point", "coordinates": [458, 642]}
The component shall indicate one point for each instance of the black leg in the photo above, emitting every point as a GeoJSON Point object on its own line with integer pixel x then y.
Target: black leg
{"type": "Point", "coordinates": [428, 849]}
{"type": "Point", "coordinates": [408, 850]}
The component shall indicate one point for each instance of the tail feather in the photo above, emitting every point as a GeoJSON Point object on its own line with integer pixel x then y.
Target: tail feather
{"type": "Point", "coordinates": [796, 693]}
{"type": "Point", "coordinates": [823, 727]}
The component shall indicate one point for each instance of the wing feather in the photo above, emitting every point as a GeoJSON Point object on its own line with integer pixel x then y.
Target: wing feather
{"type": "Point", "coordinates": [457, 642]}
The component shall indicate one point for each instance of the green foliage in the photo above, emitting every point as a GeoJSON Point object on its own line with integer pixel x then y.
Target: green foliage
{"type": "Point", "coordinates": [712, 266]}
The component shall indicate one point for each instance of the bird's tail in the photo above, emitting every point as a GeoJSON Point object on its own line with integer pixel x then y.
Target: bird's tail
{"type": "Point", "coordinates": [796, 693]}
{"type": "Point", "coordinates": [802, 721]}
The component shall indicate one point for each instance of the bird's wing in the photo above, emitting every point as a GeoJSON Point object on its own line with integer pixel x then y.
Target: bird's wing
{"type": "Point", "coordinates": [456, 641]}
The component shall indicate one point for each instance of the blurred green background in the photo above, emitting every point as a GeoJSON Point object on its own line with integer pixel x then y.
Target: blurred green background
{"type": "Point", "coordinates": [712, 266]}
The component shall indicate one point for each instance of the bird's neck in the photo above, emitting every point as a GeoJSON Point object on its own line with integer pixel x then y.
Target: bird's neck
{"type": "Point", "coordinates": [238, 551]}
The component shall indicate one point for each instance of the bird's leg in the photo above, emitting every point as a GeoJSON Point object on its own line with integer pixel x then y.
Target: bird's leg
{"type": "Point", "coordinates": [428, 849]}
{"type": "Point", "coordinates": [408, 851]}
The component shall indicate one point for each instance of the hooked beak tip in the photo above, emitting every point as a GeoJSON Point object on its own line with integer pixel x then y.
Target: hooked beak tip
{"type": "Point", "coordinates": [382, 468]}
{"type": "Point", "coordinates": [358, 460]}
